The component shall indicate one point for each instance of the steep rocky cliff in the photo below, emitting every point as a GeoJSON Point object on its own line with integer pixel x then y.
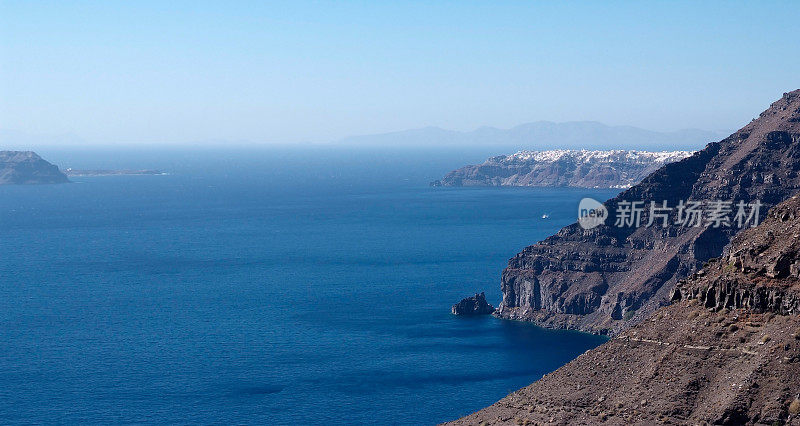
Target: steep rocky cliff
{"type": "Point", "coordinates": [606, 278]}
{"type": "Point", "coordinates": [575, 168]}
{"type": "Point", "coordinates": [727, 351]}
{"type": "Point", "coordinates": [25, 167]}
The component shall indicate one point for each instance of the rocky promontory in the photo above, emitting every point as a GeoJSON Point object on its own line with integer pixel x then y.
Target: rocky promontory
{"type": "Point", "coordinates": [609, 277]}
{"type": "Point", "coordinates": [726, 351]}
{"type": "Point", "coordinates": [558, 168]}
{"type": "Point", "coordinates": [26, 167]}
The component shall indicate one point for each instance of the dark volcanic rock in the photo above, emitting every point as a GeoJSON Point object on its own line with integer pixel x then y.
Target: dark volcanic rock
{"type": "Point", "coordinates": [727, 351]}
{"type": "Point", "coordinates": [25, 167]}
{"type": "Point", "coordinates": [759, 272]}
{"type": "Point", "coordinates": [475, 305]}
{"type": "Point", "coordinates": [576, 168]}
{"type": "Point", "coordinates": [606, 278]}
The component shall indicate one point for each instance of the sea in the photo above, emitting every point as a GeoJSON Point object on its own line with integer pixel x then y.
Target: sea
{"type": "Point", "coordinates": [272, 285]}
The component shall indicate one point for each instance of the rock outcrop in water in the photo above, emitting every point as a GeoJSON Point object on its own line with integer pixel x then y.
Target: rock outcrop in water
{"type": "Point", "coordinates": [606, 278]}
{"type": "Point", "coordinates": [727, 351]}
{"type": "Point", "coordinates": [576, 168]}
{"type": "Point", "coordinates": [26, 167]}
{"type": "Point", "coordinates": [475, 305]}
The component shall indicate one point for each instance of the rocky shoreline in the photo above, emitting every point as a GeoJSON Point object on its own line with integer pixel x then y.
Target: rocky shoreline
{"type": "Point", "coordinates": [726, 351]}
{"type": "Point", "coordinates": [705, 321]}
{"type": "Point", "coordinates": [605, 279]}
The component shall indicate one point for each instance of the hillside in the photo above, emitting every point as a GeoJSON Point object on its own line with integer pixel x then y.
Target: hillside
{"type": "Point", "coordinates": [26, 167]}
{"type": "Point", "coordinates": [606, 278]}
{"type": "Point", "coordinates": [727, 351]}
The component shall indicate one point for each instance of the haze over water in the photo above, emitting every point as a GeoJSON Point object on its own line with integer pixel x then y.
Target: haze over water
{"type": "Point", "coordinates": [273, 285]}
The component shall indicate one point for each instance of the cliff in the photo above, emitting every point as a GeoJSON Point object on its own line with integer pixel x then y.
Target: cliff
{"type": "Point", "coordinates": [606, 278]}
{"type": "Point", "coordinates": [727, 351]}
{"type": "Point", "coordinates": [25, 167]}
{"type": "Point", "coordinates": [575, 168]}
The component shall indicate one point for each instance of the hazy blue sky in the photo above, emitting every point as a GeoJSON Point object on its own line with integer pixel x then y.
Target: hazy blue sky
{"type": "Point", "coordinates": [171, 71]}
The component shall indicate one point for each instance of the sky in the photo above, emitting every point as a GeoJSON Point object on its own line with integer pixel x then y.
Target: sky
{"type": "Point", "coordinates": [131, 72]}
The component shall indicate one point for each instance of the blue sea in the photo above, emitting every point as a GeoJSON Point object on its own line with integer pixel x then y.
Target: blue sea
{"type": "Point", "coordinates": [267, 286]}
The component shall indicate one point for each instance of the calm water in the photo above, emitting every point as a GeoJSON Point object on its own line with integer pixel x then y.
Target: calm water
{"type": "Point", "coordinates": [281, 286]}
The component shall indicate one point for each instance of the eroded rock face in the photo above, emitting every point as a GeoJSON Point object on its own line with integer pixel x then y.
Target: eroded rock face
{"type": "Point", "coordinates": [604, 279]}
{"type": "Point", "coordinates": [759, 270]}
{"type": "Point", "coordinates": [475, 305]}
{"type": "Point", "coordinates": [726, 351]}
{"type": "Point", "coordinates": [25, 167]}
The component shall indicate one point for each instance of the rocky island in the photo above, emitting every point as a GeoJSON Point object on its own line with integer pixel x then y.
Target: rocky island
{"type": "Point", "coordinates": [705, 320]}
{"type": "Point", "coordinates": [27, 168]}
{"type": "Point", "coordinates": [475, 305]}
{"type": "Point", "coordinates": [563, 167]}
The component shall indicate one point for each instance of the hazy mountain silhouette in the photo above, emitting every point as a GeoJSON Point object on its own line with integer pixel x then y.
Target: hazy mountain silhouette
{"type": "Point", "coordinates": [545, 135]}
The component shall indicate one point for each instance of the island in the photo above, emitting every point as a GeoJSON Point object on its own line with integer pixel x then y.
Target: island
{"type": "Point", "coordinates": [475, 305]}
{"type": "Point", "coordinates": [28, 168]}
{"type": "Point", "coordinates": [563, 167]}
{"type": "Point", "coordinates": [102, 172]}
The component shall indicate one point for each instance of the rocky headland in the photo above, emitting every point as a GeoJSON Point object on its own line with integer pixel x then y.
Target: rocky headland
{"type": "Point", "coordinates": [27, 168]}
{"type": "Point", "coordinates": [563, 168]}
{"type": "Point", "coordinates": [726, 351]}
{"type": "Point", "coordinates": [605, 279]}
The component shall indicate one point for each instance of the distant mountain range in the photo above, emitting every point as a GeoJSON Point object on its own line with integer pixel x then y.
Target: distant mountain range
{"type": "Point", "coordinates": [546, 135]}
{"type": "Point", "coordinates": [539, 135]}
{"type": "Point", "coordinates": [576, 168]}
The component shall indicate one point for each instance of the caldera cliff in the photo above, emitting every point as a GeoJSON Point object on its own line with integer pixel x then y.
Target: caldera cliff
{"type": "Point", "coordinates": [607, 278]}
{"type": "Point", "coordinates": [563, 167]}
{"type": "Point", "coordinates": [726, 351]}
